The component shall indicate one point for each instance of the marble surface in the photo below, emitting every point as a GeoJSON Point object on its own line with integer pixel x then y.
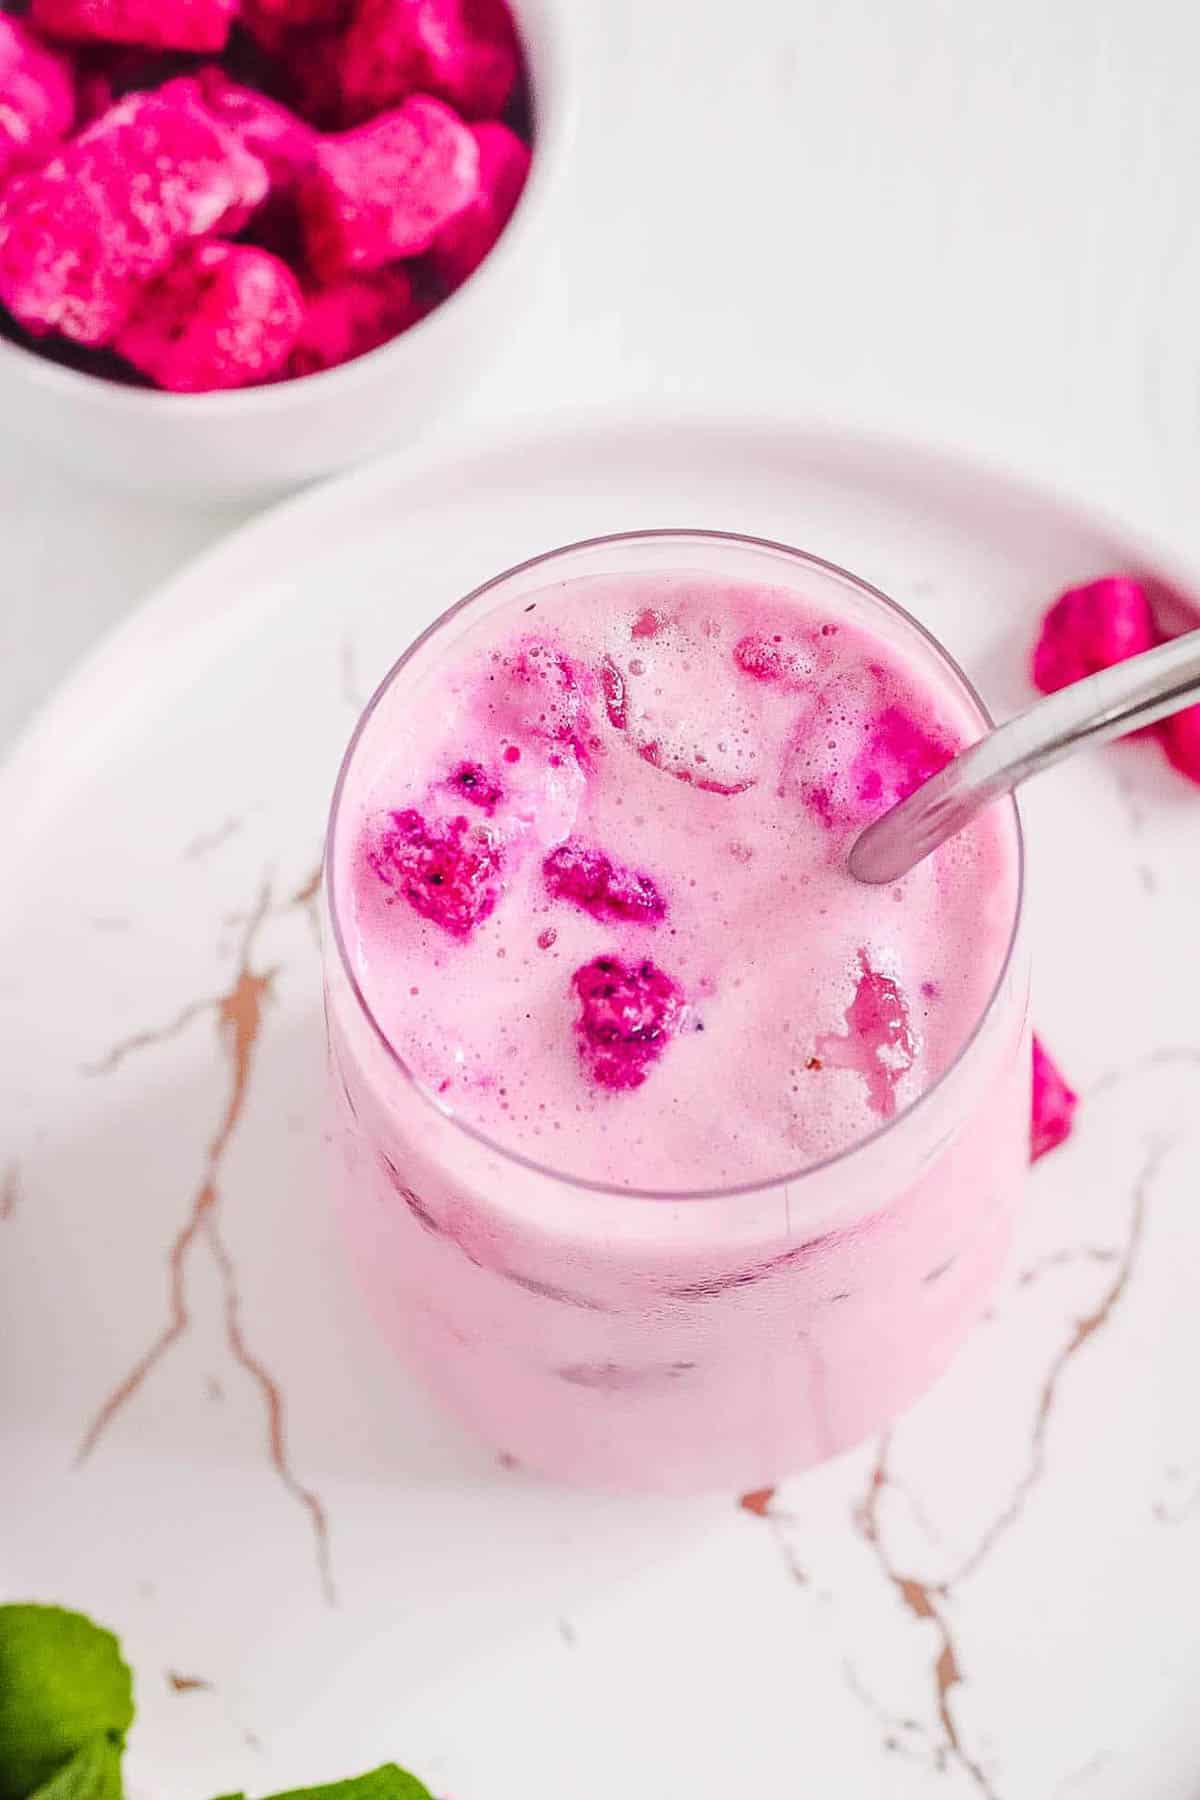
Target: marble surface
{"type": "Point", "coordinates": [311, 1569]}
{"type": "Point", "coordinates": [951, 225]}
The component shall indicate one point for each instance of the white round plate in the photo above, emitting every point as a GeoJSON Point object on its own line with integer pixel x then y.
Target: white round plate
{"type": "Point", "coordinates": [205, 1445]}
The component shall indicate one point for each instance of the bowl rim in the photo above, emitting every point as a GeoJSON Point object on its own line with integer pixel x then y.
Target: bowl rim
{"type": "Point", "coordinates": [548, 62]}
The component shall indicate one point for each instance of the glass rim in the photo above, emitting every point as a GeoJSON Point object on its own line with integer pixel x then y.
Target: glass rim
{"type": "Point", "coordinates": [729, 1191]}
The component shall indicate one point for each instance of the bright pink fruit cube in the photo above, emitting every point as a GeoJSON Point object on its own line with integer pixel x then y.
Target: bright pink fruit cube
{"type": "Point", "coordinates": [81, 237]}
{"type": "Point", "coordinates": [352, 317]}
{"type": "Point", "coordinates": [583, 875]}
{"type": "Point", "coordinates": [503, 166]}
{"type": "Point", "coordinates": [157, 24]}
{"type": "Point", "coordinates": [463, 51]}
{"type": "Point", "coordinates": [223, 316]}
{"type": "Point", "coordinates": [1181, 741]}
{"type": "Point", "coordinates": [386, 190]}
{"type": "Point", "coordinates": [284, 143]}
{"type": "Point", "coordinates": [37, 97]}
{"type": "Point", "coordinates": [1091, 628]}
{"type": "Point", "coordinates": [447, 869]}
{"type": "Point", "coordinates": [1054, 1104]}
{"type": "Point", "coordinates": [628, 1014]}
{"type": "Point", "coordinates": [851, 758]}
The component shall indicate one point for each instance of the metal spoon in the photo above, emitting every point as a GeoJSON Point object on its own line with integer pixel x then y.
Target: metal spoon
{"type": "Point", "coordinates": [1117, 700]}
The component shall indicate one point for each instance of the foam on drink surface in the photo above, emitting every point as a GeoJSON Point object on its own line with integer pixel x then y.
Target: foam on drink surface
{"type": "Point", "coordinates": [594, 885]}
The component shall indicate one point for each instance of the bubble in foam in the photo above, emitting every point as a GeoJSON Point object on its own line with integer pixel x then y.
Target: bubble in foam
{"type": "Point", "coordinates": [677, 703]}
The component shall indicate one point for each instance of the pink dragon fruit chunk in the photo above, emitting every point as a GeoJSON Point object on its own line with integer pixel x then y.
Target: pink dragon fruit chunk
{"type": "Point", "coordinates": [184, 92]}
{"type": "Point", "coordinates": [352, 317]}
{"type": "Point", "coordinates": [462, 51]}
{"type": "Point", "coordinates": [82, 237]}
{"type": "Point", "coordinates": [1091, 628]}
{"type": "Point", "coordinates": [582, 874]}
{"type": "Point", "coordinates": [1181, 740]}
{"type": "Point", "coordinates": [851, 758]}
{"type": "Point", "coordinates": [1054, 1104]}
{"type": "Point", "coordinates": [156, 24]}
{"type": "Point", "coordinates": [900, 756]}
{"type": "Point", "coordinates": [447, 869]}
{"type": "Point", "coordinates": [503, 167]}
{"type": "Point", "coordinates": [877, 1020]}
{"type": "Point", "coordinates": [37, 97]}
{"type": "Point", "coordinates": [628, 1013]}
{"type": "Point", "coordinates": [266, 128]}
{"type": "Point", "coordinates": [471, 781]}
{"type": "Point", "coordinates": [613, 683]}
{"type": "Point", "coordinates": [878, 1043]}
{"type": "Point", "coordinates": [761, 658]}
{"type": "Point", "coordinates": [223, 316]}
{"type": "Point", "coordinates": [385, 190]}
{"type": "Point", "coordinates": [774, 659]}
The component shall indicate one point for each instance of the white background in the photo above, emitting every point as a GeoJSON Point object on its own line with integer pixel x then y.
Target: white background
{"type": "Point", "coordinates": [963, 220]}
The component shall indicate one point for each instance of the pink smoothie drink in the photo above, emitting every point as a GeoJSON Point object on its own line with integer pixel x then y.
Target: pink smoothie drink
{"type": "Point", "coordinates": [671, 1157]}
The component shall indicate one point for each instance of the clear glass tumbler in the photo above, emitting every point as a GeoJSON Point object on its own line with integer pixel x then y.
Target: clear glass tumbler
{"type": "Point", "coordinates": [675, 1341]}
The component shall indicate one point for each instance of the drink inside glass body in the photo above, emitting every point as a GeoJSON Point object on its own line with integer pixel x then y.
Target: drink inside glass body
{"type": "Point", "coordinates": [671, 1157]}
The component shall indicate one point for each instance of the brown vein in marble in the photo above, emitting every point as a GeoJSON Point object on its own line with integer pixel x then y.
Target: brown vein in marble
{"type": "Point", "coordinates": [307, 893]}
{"type": "Point", "coordinates": [10, 1192]}
{"type": "Point", "coordinates": [272, 1395]}
{"type": "Point", "coordinates": [892, 1728]}
{"type": "Point", "coordinates": [928, 1601]}
{"type": "Point", "coordinates": [307, 898]}
{"type": "Point", "coordinates": [145, 1040]}
{"type": "Point", "coordinates": [208, 841]}
{"type": "Point", "coordinates": [177, 1324]}
{"type": "Point", "coordinates": [1058, 1259]}
{"type": "Point", "coordinates": [187, 1684]}
{"type": "Point", "coordinates": [761, 1503]}
{"type": "Point", "coordinates": [924, 1601]}
{"type": "Point", "coordinates": [239, 1014]}
{"type": "Point", "coordinates": [1084, 1330]}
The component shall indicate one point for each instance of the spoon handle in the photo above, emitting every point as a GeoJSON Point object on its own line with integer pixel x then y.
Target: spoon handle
{"type": "Point", "coordinates": [1117, 700]}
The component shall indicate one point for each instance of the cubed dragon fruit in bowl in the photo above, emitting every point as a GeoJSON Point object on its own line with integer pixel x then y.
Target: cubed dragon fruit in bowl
{"type": "Point", "coordinates": [223, 315]}
{"type": "Point", "coordinates": [153, 24]}
{"type": "Point", "coordinates": [123, 153]}
{"type": "Point", "coordinates": [37, 97]}
{"type": "Point", "coordinates": [82, 237]}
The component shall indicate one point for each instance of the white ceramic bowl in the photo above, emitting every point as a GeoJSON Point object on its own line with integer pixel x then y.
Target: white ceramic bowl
{"type": "Point", "coordinates": [263, 440]}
